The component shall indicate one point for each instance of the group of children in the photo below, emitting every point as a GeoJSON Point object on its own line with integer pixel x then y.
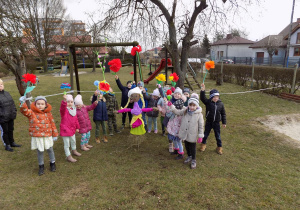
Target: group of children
{"type": "Point", "coordinates": [181, 116]}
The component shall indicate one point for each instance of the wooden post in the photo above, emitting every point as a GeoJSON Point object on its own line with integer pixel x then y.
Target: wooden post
{"type": "Point", "coordinates": [166, 67]}
{"type": "Point", "coordinates": [221, 76]}
{"type": "Point", "coordinates": [134, 69]}
{"type": "Point", "coordinates": [76, 69]}
{"type": "Point", "coordinates": [252, 77]}
{"type": "Point", "coordinates": [294, 78]}
{"type": "Point", "coordinates": [71, 68]}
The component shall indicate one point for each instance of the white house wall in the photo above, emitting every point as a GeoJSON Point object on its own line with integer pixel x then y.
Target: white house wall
{"type": "Point", "coordinates": [230, 51]}
{"type": "Point", "coordinates": [281, 52]}
{"type": "Point", "coordinates": [293, 43]}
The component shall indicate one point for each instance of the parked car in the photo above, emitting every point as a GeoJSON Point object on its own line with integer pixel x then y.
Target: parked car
{"type": "Point", "coordinates": [227, 61]}
{"type": "Point", "coordinates": [203, 60]}
{"type": "Point", "coordinates": [194, 60]}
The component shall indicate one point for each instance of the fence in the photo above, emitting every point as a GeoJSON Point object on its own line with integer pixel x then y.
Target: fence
{"type": "Point", "coordinates": [276, 61]}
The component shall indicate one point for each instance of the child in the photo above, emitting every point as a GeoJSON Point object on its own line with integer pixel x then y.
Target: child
{"type": "Point", "coordinates": [140, 84]}
{"type": "Point", "coordinates": [215, 112]}
{"type": "Point", "coordinates": [8, 113]}
{"type": "Point", "coordinates": [186, 92]}
{"type": "Point", "coordinates": [42, 129]}
{"type": "Point", "coordinates": [84, 121]}
{"type": "Point", "coordinates": [124, 99]}
{"type": "Point", "coordinates": [173, 130]}
{"type": "Point", "coordinates": [100, 116]}
{"type": "Point", "coordinates": [191, 127]}
{"type": "Point", "coordinates": [69, 126]}
{"type": "Point", "coordinates": [152, 102]}
{"type": "Point", "coordinates": [112, 106]}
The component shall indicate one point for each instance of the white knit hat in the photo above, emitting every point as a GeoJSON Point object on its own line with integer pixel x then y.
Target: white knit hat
{"type": "Point", "coordinates": [69, 97]}
{"type": "Point", "coordinates": [178, 90]}
{"type": "Point", "coordinates": [194, 99]}
{"type": "Point", "coordinates": [134, 90]}
{"type": "Point", "coordinates": [156, 93]}
{"type": "Point", "coordinates": [78, 100]}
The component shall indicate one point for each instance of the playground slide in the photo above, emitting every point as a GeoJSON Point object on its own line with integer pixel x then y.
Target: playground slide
{"type": "Point", "coordinates": [158, 70]}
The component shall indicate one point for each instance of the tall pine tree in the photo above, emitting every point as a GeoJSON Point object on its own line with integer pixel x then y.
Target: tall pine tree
{"type": "Point", "coordinates": [205, 45]}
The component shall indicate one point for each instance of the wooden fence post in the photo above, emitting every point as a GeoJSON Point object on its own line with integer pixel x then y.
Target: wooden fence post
{"type": "Point", "coordinates": [252, 77]}
{"type": "Point", "coordinates": [294, 78]}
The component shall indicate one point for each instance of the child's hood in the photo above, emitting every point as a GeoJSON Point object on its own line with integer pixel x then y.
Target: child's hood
{"type": "Point", "coordinates": [36, 110]}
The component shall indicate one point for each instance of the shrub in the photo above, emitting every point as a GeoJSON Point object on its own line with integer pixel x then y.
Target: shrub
{"type": "Point", "coordinates": [3, 70]}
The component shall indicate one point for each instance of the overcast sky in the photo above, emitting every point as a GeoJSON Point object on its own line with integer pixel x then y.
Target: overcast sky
{"type": "Point", "coordinates": [269, 18]}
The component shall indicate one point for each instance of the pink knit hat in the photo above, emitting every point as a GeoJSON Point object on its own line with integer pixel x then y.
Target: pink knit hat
{"type": "Point", "coordinates": [69, 97]}
{"type": "Point", "coordinates": [78, 100]}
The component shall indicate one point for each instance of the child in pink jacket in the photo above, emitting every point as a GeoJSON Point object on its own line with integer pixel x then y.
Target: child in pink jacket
{"type": "Point", "coordinates": [84, 121]}
{"type": "Point", "coordinates": [69, 126]}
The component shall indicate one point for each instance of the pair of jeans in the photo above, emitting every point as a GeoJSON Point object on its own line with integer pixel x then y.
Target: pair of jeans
{"type": "Point", "coordinates": [190, 149]}
{"type": "Point", "coordinates": [178, 146]}
{"type": "Point", "coordinates": [144, 118]}
{"type": "Point", "coordinates": [216, 127]}
{"type": "Point", "coordinates": [150, 120]}
{"type": "Point", "coordinates": [41, 156]}
{"type": "Point", "coordinates": [67, 141]}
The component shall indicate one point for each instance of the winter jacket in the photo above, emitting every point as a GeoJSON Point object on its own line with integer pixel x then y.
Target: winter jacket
{"type": "Point", "coordinates": [191, 127]}
{"type": "Point", "coordinates": [151, 103]}
{"type": "Point", "coordinates": [41, 122]}
{"type": "Point", "coordinates": [8, 110]}
{"type": "Point", "coordinates": [69, 123]}
{"type": "Point", "coordinates": [174, 125]}
{"type": "Point", "coordinates": [124, 91]}
{"type": "Point", "coordinates": [215, 112]}
{"type": "Point", "coordinates": [84, 118]}
{"type": "Point", "coordinates": [111, 104]}
{"type": "Point", "coordinates": [100, 112]}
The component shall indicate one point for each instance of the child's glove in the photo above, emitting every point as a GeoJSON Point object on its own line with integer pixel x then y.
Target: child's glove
{"type": "Point", "coordinates": [54, 138]}
{"type": "Point", "coordinates": [22, 99]}
{"type": "Point", "coordinates": [199, 140]}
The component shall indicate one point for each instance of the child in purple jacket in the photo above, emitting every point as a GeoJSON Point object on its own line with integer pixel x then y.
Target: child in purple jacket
{"type": "Point", "coordinates": [84, 121]}
{"type": "Point", "coordinates": [69, 126]}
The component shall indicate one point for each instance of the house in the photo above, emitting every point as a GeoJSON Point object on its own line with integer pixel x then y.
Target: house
{"type": "Point", "coordinates": [230, 47]}
{"type": "Point", "coordinates": [151, 55]}
{"type": "Point", "coordinates": [279, 45]}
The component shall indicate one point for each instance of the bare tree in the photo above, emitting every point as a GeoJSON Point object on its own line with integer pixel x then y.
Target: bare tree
{"type": "Point", "coordinates": [177, 17]}
{"type": "Point", "coordinates": [271, 44]}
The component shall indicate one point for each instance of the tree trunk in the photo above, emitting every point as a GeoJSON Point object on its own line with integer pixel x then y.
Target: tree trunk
{"type": "Point", "coordinates": [94, 65]}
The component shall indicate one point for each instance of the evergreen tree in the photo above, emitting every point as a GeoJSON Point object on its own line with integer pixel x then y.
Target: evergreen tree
{"type": "Point", "coordinates": [205, 44]}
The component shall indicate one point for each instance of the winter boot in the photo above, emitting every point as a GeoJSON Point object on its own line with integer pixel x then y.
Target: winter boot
{"type": "Point", "coordinates": [179, 157]}
{"type": "Point", "coordinates": [188, 159]}
{"type": "Point", "coordinates": [193, 164]}
{"type": "Point", "coordinates": [76, 153]}
{"type": "Point", "coordinates": [71, 159]}
{"type": "Point", "coordinates": [171, 149]}
{"type": "Point", "coordinates": [52, 167]}
{"type": "Point", "coordinates": [97, 140]}
{"type": "Point", "coordinates": [41, 170]}
{"type": "Point", "coordinates": [8, 148]}
{"type": "Point", "coordinates": [219, 150]}
{"type": "Point", "coordinates": [15, 145]}
{"type": "Point", "coordinates": [88, 146]}
{"type": "Point", "coordinates": [105, 139]}
{"type": "Point", "coordinates": [202, 147]}
{"type": "Point", "coordinates": [175, 152]}
{"type": "Point", "coordinates": [84, 148]}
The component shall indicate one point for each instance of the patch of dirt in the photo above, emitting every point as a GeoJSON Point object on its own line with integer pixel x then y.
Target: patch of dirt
{"type": "Point", "coordinates": [80, 190]}
{"type": "Point", "coordinates": [288, 125]}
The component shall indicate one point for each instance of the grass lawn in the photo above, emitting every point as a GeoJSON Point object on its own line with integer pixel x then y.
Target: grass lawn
{"type": "Point", "coordinates": [258, 170]}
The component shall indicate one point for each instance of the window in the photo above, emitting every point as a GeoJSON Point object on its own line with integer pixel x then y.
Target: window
{"type": "Point", "coordinates": [298, 38]}
{"type": "Point", "coordinates": [276, 52]}
{"type": "Point", "coordinates": [297, 51]}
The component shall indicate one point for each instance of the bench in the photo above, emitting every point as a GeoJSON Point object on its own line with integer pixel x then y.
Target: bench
{"type": "Point", "coordinates": [290, 96]}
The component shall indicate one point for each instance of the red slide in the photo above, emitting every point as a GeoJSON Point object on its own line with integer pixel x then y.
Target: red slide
{"type": "Point", "coordinates": [161, 67]}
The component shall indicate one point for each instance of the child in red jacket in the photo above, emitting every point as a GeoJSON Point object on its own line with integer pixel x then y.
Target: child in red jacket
{"type": "Point", "coordinates": [42, 129]}
{"type": "Point", "coordinates": [69, 126]}
{"type": "Point", "coordinates": [84, 121]}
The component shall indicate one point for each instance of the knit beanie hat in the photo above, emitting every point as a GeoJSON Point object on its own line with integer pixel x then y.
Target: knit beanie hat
{"type": "Point", "coordinates": [178, 90]}
{"type": "Point", "coordinates": [140, 84]}
{"type": "Point", "coordinates": [78, 100]}
{"type": "Point", "coordinates": [179, 104]}
{"type": "Point", "coordinates": [156, 93]}
{"type": "Point", "coordinates": [194, 99]}
{"type": "Point", "coordinates": [40, 98]}
{"type": "Point", "coordinates": [134, 90]}
{"type": "Point", "coordinates": [213, 93]}
{"type": "Point", "coordinates": [186, 90]}
{"type": "Point", "coordinates": [69, 97]}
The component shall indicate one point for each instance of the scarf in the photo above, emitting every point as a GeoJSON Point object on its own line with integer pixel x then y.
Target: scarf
{"type": "Point", "coordinates": [72, 110]}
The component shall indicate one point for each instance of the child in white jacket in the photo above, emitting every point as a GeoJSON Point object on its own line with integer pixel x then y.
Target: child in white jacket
{"type": "Point", "coordinates": [191, 128]}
